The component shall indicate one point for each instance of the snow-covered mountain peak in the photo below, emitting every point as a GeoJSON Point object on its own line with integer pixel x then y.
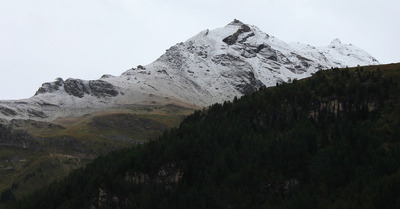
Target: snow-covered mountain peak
{"type": "Point", "coordinates": [212, 66]}
{"type": "Point", "coordinates": [236, 22]}
{"type": "Point", "coordinates": [335, 41]}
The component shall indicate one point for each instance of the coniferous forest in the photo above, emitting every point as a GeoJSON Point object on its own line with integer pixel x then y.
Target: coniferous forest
{"type": "Point", "coordinates": [329, 141]}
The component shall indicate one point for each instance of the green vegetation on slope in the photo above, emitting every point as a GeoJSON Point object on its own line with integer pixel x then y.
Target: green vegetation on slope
{"type": "Point", "coordinates": [32, 154]}
{"type": "Point", "coordinates": [330, 141]}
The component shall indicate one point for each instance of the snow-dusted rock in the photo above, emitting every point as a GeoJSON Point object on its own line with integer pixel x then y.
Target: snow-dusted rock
{"type": "Point", "coordinates": [213, 66]}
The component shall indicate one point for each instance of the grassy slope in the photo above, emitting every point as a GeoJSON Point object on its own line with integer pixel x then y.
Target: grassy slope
{"type": "Point", "coordinates": [62, 150]}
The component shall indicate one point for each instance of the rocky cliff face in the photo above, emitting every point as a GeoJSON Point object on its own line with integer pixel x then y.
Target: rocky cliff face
{"type": "Point", "coordinates": [167, 177]}
{"type": "Point", "coordinates": [79, 88]}
{"type": "Point", "coordinates": [213, 66]}
{"type": "Point", "coordinates": [13, 138]}
{"type": "Point", "coordinates": [337, 106]}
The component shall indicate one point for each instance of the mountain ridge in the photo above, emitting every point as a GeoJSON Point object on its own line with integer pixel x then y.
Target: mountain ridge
{"type": "Point", "coordinates": [328, 141]}
{"type": "Point", "coordinates": [213, 66]}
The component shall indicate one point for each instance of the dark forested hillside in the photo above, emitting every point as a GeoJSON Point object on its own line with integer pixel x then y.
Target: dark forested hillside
{"type": "Point", "coordinates": [330, 141]}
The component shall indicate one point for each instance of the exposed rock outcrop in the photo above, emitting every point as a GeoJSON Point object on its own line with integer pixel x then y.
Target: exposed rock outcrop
{"type": "Point", "coordinates": [16, 138]}
{"type": "Point", "coordinates": [80, 88]}
{"type": "Point", "coordinates": [335, 106]}
{"type": "Point", "coordinates": [230, 40]}
{"type": "Point", "coordinates": [168, 175]}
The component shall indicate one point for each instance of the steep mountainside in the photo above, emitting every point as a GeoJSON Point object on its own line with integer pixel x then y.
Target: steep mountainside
{"type": "Point", "coordinates": [213, 66]}
{"type": "Point", "coordinates": [34, 153]}
{"type": "Point", "coordinates": [329, 141]}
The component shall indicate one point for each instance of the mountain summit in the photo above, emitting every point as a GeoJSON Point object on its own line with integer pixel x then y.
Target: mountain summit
{"type": "Point", "coordinates": [213, 66]}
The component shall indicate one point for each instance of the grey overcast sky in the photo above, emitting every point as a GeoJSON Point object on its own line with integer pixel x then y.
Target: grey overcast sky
{"type": "Point", "coordinates": [44, 39]}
